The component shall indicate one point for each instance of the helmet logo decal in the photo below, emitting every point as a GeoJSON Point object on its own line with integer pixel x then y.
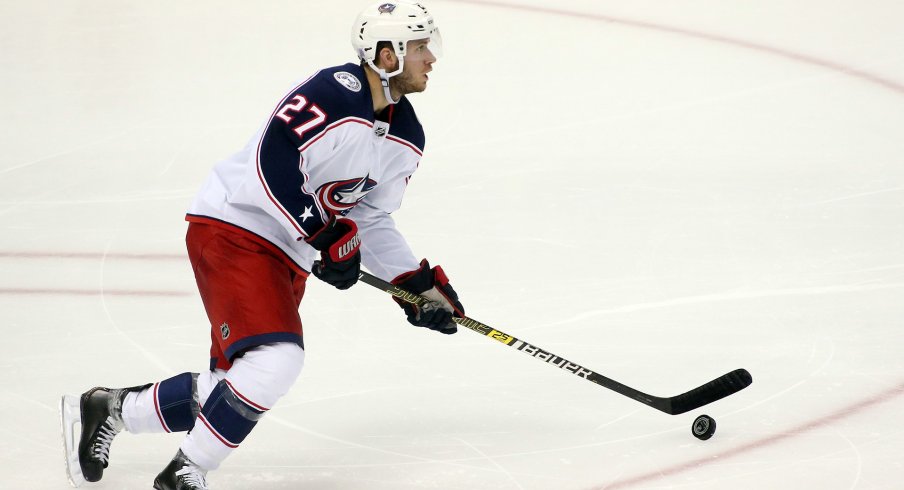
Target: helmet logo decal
{"type": "Point", "coordinates": [348, 80]}
{"type": "Point", "coordinates": [386, 8]}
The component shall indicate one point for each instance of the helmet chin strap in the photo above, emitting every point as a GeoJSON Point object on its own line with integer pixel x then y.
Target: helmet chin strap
{"type": "Point", "coordinates": [384, 78]}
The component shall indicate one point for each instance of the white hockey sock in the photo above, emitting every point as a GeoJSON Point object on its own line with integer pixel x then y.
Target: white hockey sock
{"type": "Point", "coordinates": [170, 405]}
{"type": "Point", "coordinates": [233, 405]}
{"type": "Point", "coordinates": [138, 413]}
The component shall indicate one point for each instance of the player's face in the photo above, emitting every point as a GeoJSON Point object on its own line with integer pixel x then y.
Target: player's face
{"type": "Point", "coordinates": [418, 63]}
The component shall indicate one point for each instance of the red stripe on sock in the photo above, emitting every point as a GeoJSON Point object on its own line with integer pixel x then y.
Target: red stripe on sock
{"type": "Point", "coordinates": [215, 433]}
{"type": "Point", "coordinates": [244, 398]}
{"type": "Point", "coordinates": [157, 409]}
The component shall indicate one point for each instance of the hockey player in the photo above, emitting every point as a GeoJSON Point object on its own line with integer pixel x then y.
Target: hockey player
{"type": "Point", "coordinates": [318, 181]}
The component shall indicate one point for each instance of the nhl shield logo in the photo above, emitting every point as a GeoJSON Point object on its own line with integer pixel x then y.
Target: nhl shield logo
{"type": "Point", "coordinates": [386, 8]}
{"type": "Point", "coordinates": [224, 330]}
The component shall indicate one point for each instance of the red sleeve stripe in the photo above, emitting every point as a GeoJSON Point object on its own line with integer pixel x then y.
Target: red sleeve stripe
{"type": "Point", "coordinates": [406, 143]}
{"type": "Point", "coordinates": [334, 126]}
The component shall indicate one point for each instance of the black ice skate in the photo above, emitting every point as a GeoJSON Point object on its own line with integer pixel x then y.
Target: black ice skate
{"type": "Point", "coordinates": [181, 474]}
{"type": "Point", "coordinates": [99, 412]}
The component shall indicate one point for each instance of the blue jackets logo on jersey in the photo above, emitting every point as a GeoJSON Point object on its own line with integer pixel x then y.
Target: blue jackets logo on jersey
{"type": "Point", "coordinates": [342, 195]}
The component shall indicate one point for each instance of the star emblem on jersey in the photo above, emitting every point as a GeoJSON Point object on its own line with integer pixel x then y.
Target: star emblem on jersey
{"type": "Point", "coordinates": [306, 214]}
{"type": "Point", "coordinates": [348, 80]}
{"type": "Point", "coordinates": [342, 195]}
{"type": "Point", "coordinates": [386, 8]}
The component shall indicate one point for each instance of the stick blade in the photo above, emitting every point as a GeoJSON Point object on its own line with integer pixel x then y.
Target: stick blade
{"type": "Point", "coordinates": [716, 389]}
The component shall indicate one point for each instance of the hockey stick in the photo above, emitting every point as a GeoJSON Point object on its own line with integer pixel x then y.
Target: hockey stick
{"type": "Point", "coordinates": [716, 389]}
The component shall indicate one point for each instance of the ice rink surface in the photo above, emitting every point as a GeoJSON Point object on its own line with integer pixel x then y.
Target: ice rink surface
{"type": "Point", "coordinates": [662, 192]}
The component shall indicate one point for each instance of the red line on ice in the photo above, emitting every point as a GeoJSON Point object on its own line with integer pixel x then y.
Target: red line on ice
{"type": "Point", "coordinates": [787, 54]}
{"type": "Point", "coordinates": [90, 255]}
{"type": "Point", "coordinates": [717, 38]}
{"type": "Point", "coordinates": [798, 430]}
{"type": "Point", "coordinates": [152, 257]}
{"type": "Point", "coordinates": [87, 292]}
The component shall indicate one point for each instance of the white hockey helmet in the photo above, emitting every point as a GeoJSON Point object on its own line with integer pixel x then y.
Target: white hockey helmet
{"type": "Point", "coordinates": [397, 22]}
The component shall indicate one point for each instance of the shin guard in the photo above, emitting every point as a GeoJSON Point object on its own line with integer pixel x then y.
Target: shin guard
{"type": "Point", "coordinates": [226, 419]}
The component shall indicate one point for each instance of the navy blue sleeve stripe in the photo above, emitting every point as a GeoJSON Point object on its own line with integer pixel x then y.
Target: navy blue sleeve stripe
{"type": "Point", "coordinates": [279, 202]}
{"type": "Point", "coordinates": [304, 116]}
{"type": "Point", "coordinates": [260, 145]}
{"type": "Point", "coordinates": [284, 184]}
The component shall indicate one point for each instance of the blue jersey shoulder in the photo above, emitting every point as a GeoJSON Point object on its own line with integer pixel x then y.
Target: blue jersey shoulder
{"type": "Point", "coordinates": [405, 124]}
{"type": "Point", "coordinates": [331, 95]}
{"type": "Point", "coordinates": [341, 91]}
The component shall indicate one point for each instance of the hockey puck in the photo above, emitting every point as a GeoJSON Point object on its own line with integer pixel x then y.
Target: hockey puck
{"type": "Point", "coordinates": [704, 427]}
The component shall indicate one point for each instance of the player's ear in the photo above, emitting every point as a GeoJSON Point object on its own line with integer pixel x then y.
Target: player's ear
{"type": "Point", "coordinates": [387, 59]}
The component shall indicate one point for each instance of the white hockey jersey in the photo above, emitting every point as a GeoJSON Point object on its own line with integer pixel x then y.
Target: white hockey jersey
{"type": "Point", "coordinates": [321, 153]}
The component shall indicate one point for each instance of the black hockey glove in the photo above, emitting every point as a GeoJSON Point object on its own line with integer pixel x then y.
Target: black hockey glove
{"type": "Point", "coordinates": [434, 285]}
{"type": "Point", "coordinates": [338, 243]}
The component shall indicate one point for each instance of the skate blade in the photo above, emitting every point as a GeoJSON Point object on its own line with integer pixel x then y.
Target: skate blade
{"type": "Point", "coordinates": [70, 424]}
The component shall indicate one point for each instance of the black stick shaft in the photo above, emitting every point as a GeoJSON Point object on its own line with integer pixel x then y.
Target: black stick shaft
{"type": "Point", "coordinates": [716, 389]}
